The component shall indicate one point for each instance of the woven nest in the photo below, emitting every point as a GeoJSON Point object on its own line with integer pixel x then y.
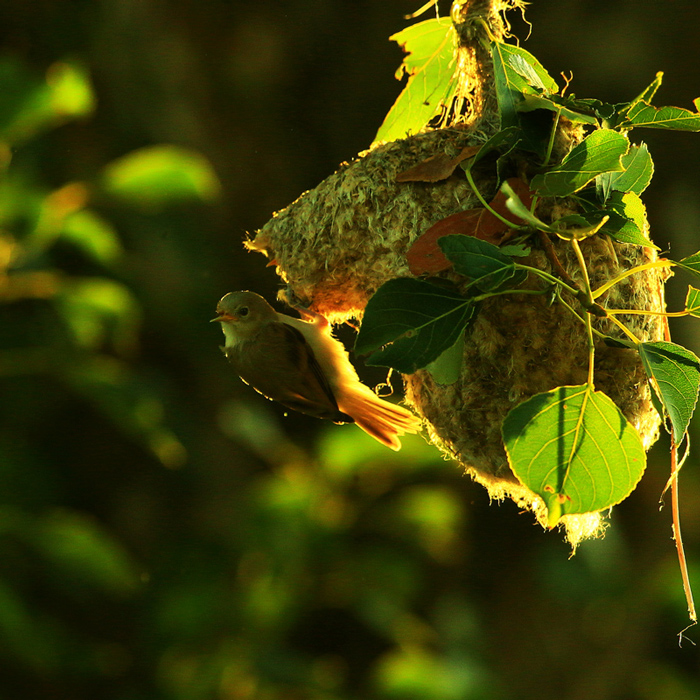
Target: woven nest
{"type": "Point", "coordinates": [338, 243]}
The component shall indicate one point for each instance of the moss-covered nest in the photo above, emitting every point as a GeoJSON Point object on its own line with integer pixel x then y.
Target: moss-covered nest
{"type": "Point", "coordinates": [338, 243]}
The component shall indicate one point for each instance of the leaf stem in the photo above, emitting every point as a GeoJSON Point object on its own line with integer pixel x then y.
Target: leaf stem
{"type": "Point", "coordinates": [552, 136]}
{"type": "Point", "coordinates": [625, 330]}
{"type": "Point", "coordinates": [484, 203]}
{"type": "Point", "coordinates": [579, 317]}
{"type": "Point", "coordinates": [589, 298]}
{"type": "Point", "coordinates": [548, 277]}
{"type": "Point", "coordinates": [675, 507]}
{"type": "Point", "coordinates": [573, 287]}
{"type": "Point", "coordinates": [488, 295]}
{"type": "Point", "coordinates": [640, 312]}
{"type": "Point", "coordinates": [633, 271]}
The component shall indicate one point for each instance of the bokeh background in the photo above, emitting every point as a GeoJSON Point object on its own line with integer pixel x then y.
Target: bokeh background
{"type": "Point", "coordinates": [166, 533]}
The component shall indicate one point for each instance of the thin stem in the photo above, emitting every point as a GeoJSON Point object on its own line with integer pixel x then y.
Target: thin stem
{"type": "Point", "coordinates": [639, 312]}
{"type": "Point", "coordinates": [640, 268]}
{"type": "Point", "coordinates": [488, 295]}
{"type": "Point", "coordinates": [580, 318]}
{"type": "Point", "coordinates": [552, 136]}
{"type": "Point", "coordinates": [583, 298]}
{"type": "Point", "coordinates": [675, 507]}
{"type": "Point", "coordinates": [589, 322]}
{"type": "Point", "coordinates": [548, 277]}
{"type": "Point", "coordinates": [625, 330]}
{"type": "Point", "coordinates": [480, 197]}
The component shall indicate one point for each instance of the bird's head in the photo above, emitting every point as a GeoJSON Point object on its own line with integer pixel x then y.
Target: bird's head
{"type": "Point", "coordinates": [241, 315]}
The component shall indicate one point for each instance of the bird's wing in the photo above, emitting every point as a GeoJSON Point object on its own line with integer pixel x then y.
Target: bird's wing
{"type": "Point", "coordinates": [296, 379]}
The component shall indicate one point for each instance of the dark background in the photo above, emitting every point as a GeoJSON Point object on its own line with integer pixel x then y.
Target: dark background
{"type": "Point", "coordinates": [166, 533]}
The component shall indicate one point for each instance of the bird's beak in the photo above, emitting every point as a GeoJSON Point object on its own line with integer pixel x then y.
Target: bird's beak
{"type": "Point", "coordinates": [221, 317]}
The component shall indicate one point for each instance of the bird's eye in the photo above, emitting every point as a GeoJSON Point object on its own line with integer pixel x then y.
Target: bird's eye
{"type": "Point", "coordinates": [243, 311]}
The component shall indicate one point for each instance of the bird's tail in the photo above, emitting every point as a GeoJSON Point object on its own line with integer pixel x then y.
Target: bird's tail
{"type": "Point", "coordinates": [382, 420]}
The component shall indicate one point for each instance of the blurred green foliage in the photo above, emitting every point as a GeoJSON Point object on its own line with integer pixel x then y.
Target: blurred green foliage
{"type": "Point", "coordinates": [165, 533]}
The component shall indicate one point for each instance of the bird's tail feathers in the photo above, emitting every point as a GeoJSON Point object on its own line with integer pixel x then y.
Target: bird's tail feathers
{"type": "Point", "coordinates": [382, 420]}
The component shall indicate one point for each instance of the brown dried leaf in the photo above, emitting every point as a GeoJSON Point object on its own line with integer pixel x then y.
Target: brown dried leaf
{"type": "Point", "coordinates": [425, 256]}
{"type": "Point", "coordinates": [437, 167]}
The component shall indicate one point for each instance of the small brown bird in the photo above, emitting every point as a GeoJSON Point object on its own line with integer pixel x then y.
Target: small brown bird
{"type": "Point", "coordinates": [299, 363]}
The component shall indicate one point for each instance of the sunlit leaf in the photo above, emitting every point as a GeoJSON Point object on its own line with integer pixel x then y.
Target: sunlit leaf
{"type": "Point", "coordinates": [637, 174]}
{"type": "Point", "coordinates": [599, 152]}
{"type": "Point", "coordinates": [94, 235]}
{"type": "Point", "coordinates": [160, 175]}
{"type": "Point", "coordinates": [29, 105]}
{"type": "Point", "coordinates": [70, 90]}
{"type": "Point", "coordinates": [527, 66]}
{"type": "Point", "coordinates": [647, 95]}
{"type": "Point", "coordinates": [619, 227]}
{"type": "Point", "coordinates": [692, 302]}
{"type": "Point", "coordinates": [676, 374]}
{"type": "Point", "coordinates": [429, 65]}
{"type": "Point", "coordinates": [691, 263]}
{"type": "Point", "coordinates": [575, 449]}
{"type": "Point", "coordinates": [447, 367]}
{"type": "Point", "coordinates": [516, 72]}
{"type": "Point", "coordinates": [634, 227]}
{"type": "Point", "coordinates": [565, 106]}
{"type": "Point", "coordinates": [409, 323]}
{"type": "Point", "coordinates": [642, 114]}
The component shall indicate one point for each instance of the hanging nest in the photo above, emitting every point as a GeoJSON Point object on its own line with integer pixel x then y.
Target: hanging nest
{"type": "Point", "coordinates": [338, 243]}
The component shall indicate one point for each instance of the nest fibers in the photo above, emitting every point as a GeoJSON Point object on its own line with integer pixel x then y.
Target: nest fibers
{"type": "Point", "coordinates": [338, 243]}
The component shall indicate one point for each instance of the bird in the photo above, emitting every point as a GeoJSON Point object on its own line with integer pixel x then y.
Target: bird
{"type": "Point", "coordinates": [297, 362]}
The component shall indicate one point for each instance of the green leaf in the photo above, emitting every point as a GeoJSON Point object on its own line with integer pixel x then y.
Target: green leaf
{"type": "Point", "coordinates": [99, 310]}
{"type": "Point", "coordinates": [94, 235]}
{"type": "Point", "coordinates": [415, 320]}
{"type": "Point", "coordinates": [30, 105]}
{"type": "Point", "coordinates": [85, 554]}
{"type": "Point", "coordinates": [691, 263]}
{"type": "Point", "coordinates": [599, 152]}
{"type": "Point", "coordinates": [516, 250]}
{"type": "Point", "coordinates": [529, 68]}
{"type": "Point", "coordinates": [624, 230]}
{"type": "Point", "coordinates": [639, 169]}
{"type": "Point", "coordinates": [516, 206]}
{"type": "Point", "coordinates": [511, 84]}
{"type": "Point", "coordinates": [626, 222]}
{"type": "Point", "coordinates": [448, 366]}
{"type": "Point", "coordinates": [647, 95]}
{"type": "Point", "coordinates": [676, 373]}
{"type": "Point", "coordinates": [156, 176]}
{"type": "Point", "coordinates": [505, 139]}
{"type": "Point", "coordinates": [577, 226]}
{"type": "Point", "coordinates": [565, 106]}
{"type": "Point", "coordinates": [479, 260]}
{"type": "Point", "coordinates": [631, 207]}
{"type": "Point", "coordinates": [692, 302]}
{"type": "Point", "coordinates": [575, 449]}
{"type": "Point", "coordinates": [675, 118]}
{"type": "Point", "coordinates": [430, 66]}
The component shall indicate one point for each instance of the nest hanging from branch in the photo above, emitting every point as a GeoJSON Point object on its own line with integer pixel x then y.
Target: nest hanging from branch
{"type": "Point", "coordinates": [338, 243]}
